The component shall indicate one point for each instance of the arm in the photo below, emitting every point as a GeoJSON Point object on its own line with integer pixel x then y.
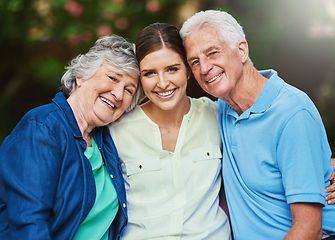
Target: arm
{"type": "Point", "coordinates": [29, 169]}
{"type": "Point", "coordinates": [306, 221]}
{"type": "Point", "coordinates": [301, 161]}
{"type": "Point", "coordinates": [330, 198]}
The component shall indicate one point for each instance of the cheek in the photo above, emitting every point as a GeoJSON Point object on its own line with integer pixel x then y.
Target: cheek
{"type": "Point", "coordinates": [126, 102]}
{"type": "Point", "coordinates": [196, 73]}
{"type": "Point", "coordinates": [201, 83]}
{"type": "Point", "coordinates": [183, 84]}
{"type": "Point", "coordinates": [147, 87]}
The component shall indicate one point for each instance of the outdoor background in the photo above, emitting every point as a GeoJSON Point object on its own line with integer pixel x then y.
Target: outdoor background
{"type": "Point", "coordinates": [39, 37]}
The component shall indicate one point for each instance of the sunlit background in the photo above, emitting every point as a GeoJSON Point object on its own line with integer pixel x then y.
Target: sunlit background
{"type": "Point", "coordinates": [39, 37]}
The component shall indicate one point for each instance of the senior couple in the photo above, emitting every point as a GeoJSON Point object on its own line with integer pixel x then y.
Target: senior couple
{"type": "Point", "coordinates": [156, 173]}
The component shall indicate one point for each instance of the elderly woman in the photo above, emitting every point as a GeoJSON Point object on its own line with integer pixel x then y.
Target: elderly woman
{"type": "Point", "coordinates": [60, 175]}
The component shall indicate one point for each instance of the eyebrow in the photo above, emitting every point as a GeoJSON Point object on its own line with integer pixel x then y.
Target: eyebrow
{"type": "Point", "coordinates": [209, 49]}
{"type": "Point", "coordinates": [132, 84]}
{"type": "Point", "coordinates": [119, 74]}
{"type": "Point", "coordinates": [172, 65]}
{"type": "Point", "coordinates": [191, 58]}
{"type": "Point", "coordinates": [146, 70]}
{"type": "Point", "coordinates": [110, 71]}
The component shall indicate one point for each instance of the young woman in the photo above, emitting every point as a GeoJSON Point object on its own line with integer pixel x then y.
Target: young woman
{"type": "Point", "coordinates": [170, 148]}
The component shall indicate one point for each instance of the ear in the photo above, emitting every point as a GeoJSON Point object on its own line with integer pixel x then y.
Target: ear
{"type": "Point", "coordinates": [244, 50]}
{"type": "Point", "coordinates": [79, 81]}
{"type": "Point", "coordinates": [188, 73]}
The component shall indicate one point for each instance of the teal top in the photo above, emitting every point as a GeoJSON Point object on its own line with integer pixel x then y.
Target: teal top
{"type": "Point", "coordinates": [102, 214]}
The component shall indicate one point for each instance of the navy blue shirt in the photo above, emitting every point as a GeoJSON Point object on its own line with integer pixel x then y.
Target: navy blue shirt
{"type": "Point", "coordinates": [47, 186]}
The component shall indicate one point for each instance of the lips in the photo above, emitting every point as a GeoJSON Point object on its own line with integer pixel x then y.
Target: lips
{"type": "Point", "coordinates": [166, 93]}
{"type": "Point", "coordinates": [214, 78]}
{"type": "Point", "coordinates": [107, 101]}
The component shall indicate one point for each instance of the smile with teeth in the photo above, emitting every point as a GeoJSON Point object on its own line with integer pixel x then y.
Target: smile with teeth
{"type": "Point", "coordinates": [164, 94]}
{"type": "Point", "coordinates": [214, 78]}
{"type": "Point", "coordinates": [107, 101]}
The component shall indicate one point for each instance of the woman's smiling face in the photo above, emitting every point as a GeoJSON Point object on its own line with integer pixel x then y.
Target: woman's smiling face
{"type": "Point", "coordinates": [105, 96]}
{"type": "Point", "coordinates": [164, 78]}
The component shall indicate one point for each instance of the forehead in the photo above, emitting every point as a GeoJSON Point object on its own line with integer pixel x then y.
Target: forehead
{"type": "Point", "coordinates": [202, 39]}
{"type": "Point", "coordinates": [108, 68]}
{"type": "Point", "coordinates": [161, 56]}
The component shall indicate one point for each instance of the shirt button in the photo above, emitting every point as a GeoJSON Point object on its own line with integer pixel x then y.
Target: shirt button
{"type": "Point", "coordinates": [124, 205]}
{"type": "Point", "coordinates": [237, 124]}
{"type": "Point", "coordinates": [112, 176]}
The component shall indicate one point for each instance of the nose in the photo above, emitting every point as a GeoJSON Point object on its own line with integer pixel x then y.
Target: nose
{"type": "Point", "coordinates": [117, 92]}
{"type": "Point", "coordinates": [205, 66]}
{"type": "Point", "coordinates": [162, 82]}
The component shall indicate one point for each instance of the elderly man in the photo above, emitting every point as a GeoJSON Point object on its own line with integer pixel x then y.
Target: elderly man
{"type": "Point", "coordinates": [276, 156]}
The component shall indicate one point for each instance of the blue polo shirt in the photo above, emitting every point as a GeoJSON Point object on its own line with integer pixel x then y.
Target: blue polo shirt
{"type": "Point", "coordinates": [274, 154]}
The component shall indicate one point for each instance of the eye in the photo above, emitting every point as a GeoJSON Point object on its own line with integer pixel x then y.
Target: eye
{"type": "Point", "coordinates": [112, 78]}
{"type": "Point", "coordinates": [213, 53]}
{"type": "Point", "coordinates": [173, 69]}
{"type": "Point", "coordinates": [131, 91]}
{"type": "Point", "coordinates": [147, 74]}
{"type": "Point", "coordinates": [193, 63]}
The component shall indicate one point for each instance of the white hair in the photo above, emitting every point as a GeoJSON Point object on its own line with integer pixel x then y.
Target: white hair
{"type": "Point", "coordinates": [231, 32]}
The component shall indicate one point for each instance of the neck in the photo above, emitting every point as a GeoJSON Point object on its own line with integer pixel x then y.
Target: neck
{"type": "Point", "coordinates": [168, 121]}
{"type": "Point", "coordinates": [84, 127]}
{"type": "Point", "coordinates": [247, 90]}
{"type": "Point", "coordinates": [167, 117]}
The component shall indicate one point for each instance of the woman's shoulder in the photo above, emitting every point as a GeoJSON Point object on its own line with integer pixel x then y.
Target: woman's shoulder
{"type": "Point", "coordinates": [203, 104]}
{"type": "Point", "coordinates": [130, 119]}
{"type": "Point", "coordinates": [131, 116]}
{"type": "Point", "coordinates": [41, 124]}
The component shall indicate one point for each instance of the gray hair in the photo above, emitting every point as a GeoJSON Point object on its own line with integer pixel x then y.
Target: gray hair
{"type": "Point", "coordinates": [231, 32]}
{"type": "Point", "coordinates": [112, 50]}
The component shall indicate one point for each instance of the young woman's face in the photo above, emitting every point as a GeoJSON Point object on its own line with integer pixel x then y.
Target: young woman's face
{"type": "Point", "coordinates": [164, 78]}
{"type": "Point", "coordinates": [106, 95]}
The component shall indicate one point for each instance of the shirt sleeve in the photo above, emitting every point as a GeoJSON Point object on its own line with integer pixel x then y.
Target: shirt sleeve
{"type": "Point", "coordinates": [29, 169]}
{"type": "Point", "coordinates": [300, 160]}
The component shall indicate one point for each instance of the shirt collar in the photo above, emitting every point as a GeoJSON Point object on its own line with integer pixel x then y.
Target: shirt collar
{"type": "Point", "coordinates": [64, 106]}
{"type": "Point", "coordinates": [269, 93]}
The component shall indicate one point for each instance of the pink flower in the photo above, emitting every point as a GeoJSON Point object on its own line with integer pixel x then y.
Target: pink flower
{"type": "Point", "coordinates": [104, 30]}
{"type": "Point", "coordinates": [74, 8]}
{"type": "Point", "coordinates": [121, 23]}
{"type": "Point", "coordinates": [153, 6]}
{"type": "Point", "coordinates": [117, 1]}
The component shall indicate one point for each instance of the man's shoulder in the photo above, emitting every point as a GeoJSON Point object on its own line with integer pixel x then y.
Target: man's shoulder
{"type": "Point", "coordinates": [222, 106]}
{"type": "Point", "coordinates": [294, 100]}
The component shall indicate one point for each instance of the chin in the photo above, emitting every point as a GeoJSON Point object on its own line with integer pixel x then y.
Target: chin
{"type": "Point", "coordinates": [167, 107]}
